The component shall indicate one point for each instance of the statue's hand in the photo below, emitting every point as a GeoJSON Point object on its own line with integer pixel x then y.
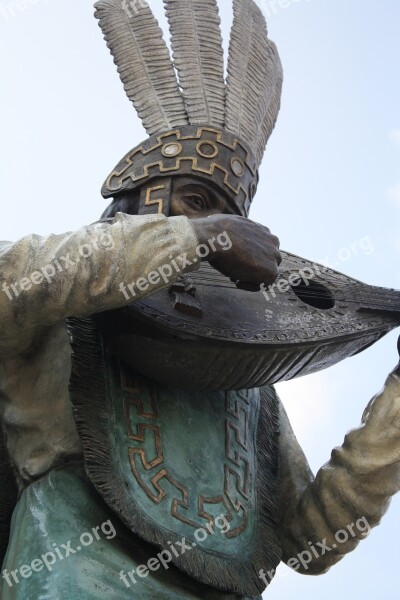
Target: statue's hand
{"type": "Point", "coordinates": [254, 255]}
{"type": "Point", "coordinates": [383, 412]}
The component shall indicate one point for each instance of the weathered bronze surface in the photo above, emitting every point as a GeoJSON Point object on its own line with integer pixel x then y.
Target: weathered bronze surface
{"type": "Point", "coordinates": [160, 416]}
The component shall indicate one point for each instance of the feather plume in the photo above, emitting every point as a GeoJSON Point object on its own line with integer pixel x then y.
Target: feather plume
{"type": "Point", "coordinates": [144, 64]}
{"type": "Point", "coordinates": [198, 56]}
{"type": "Point", "coordinates": [254, 78]}
{"type": "Point", "coordinates": [274, 101]}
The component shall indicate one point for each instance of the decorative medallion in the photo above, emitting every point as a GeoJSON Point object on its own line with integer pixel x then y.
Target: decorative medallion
{"type": "Point", "coordinates": [207, 149]}
{"type": "Point", "coordinates": [171, 150]}
{"type": "Point", "coordinates": [238, 167]}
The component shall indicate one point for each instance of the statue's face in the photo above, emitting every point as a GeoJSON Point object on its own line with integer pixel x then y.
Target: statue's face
{"type": "Point", "coordinates": [190, 197]}
{"type": "Point", "coordinates": [196, 199]}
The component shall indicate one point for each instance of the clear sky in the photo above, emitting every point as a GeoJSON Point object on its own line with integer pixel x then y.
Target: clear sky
{"type": "Point", "coordinates": [330, 186]}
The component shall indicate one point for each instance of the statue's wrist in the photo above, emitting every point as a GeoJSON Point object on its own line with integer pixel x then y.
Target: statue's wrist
{"type": "Point", "coordinates": [207, 232]}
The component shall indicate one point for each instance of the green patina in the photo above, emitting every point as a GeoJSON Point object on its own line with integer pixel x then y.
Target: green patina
{"type": "Point", "coordinates": [60, 508]}
{"type": "Point", "coordinates": [207, 445]}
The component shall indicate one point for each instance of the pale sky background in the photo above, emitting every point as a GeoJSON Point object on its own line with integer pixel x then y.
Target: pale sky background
{"type": "Point", "coordinates": [330, 179]}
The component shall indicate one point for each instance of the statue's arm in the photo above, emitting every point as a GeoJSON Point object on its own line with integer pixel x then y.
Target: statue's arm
{"type": "Point", "coordinates": [46, 279]}
{"type": "Point", "coordinates": [350, 493]}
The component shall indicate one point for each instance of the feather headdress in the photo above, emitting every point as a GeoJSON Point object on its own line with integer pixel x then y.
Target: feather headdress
{"type": "Point", "coordinates": [186, 95]}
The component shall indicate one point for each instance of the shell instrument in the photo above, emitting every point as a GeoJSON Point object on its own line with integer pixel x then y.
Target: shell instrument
{"type": "Point", "coordinates": [236, 339]}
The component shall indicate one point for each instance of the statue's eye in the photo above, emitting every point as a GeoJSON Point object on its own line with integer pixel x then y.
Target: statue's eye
{"type": "Point", "coordinates": [196, 200]}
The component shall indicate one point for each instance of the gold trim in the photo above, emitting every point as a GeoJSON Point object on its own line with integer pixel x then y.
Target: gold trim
{"type": "Point", "coordinates": [237, 478]}
{"type": "Point", "coordinates": [176, 167]}
{"type": "Point", "coordinates": [158, 201]}
{"type": "Point", "coordinates": [178, 137]}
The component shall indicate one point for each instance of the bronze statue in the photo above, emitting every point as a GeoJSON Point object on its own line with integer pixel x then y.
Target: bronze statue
{"type": "Point", "coordinates": [145, 453]}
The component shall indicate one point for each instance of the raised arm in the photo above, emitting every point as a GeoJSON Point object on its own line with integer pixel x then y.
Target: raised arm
{"type": "Point", "coordinates": [46, 279]}
{"type": "Point", "coordinates": [323, 519]}
{"type": "Point", "coordinates": [110, 264]}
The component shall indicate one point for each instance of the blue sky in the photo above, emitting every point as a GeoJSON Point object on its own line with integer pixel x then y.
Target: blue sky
{"type": "Point", "coordinates": [330, 186]}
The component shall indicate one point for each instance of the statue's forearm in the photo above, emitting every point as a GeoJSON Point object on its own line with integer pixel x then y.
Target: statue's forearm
{"type": "Point", "coordinates": [350, 493]}
{"type": "Point", "coordinates": [44, 280]}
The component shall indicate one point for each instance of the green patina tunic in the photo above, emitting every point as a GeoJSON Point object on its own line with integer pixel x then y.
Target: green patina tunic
{"type": "Point", "coordinates": [62, 507]}
{"type": "Point", "coordinates": [170, 462]}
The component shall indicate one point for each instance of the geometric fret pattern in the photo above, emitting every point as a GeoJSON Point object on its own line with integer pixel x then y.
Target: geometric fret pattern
{"type": "Point", "coordinates": [205, 152]}
{"type": "Point", "coordinates": [143, 429]}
